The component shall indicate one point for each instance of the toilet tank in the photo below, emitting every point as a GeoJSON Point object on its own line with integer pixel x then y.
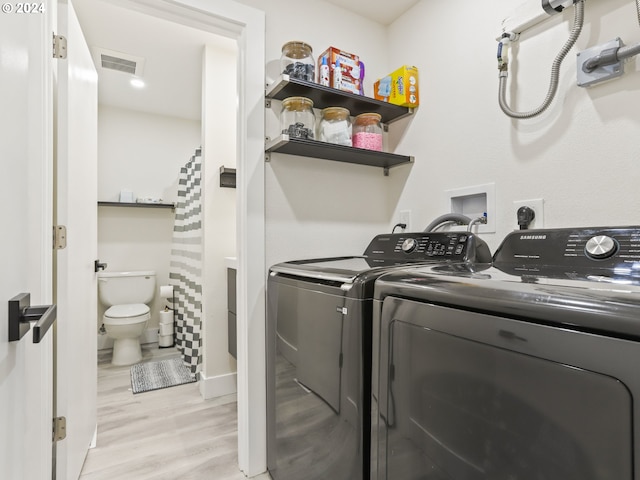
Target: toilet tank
{"type": "Point", "coordinates": [120, 288]}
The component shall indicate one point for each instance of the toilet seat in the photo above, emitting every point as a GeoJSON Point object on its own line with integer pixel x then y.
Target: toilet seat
{"type": "Point", "coordinates": [127, 314]}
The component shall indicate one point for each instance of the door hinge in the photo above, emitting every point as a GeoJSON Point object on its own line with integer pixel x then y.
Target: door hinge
{"type": "Point", "coordinates": [59, 237]}
{"type": "Point", "coordinates": [59, 428]}
{"type": "Point", "coordinates": [59, 46]}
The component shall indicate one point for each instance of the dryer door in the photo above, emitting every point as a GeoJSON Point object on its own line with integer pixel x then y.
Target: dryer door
{"type": "Point", "coordinates": [470, 396]}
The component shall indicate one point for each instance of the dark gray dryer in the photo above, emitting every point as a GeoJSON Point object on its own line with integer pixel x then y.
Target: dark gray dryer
{"type": "Point", "coordinates": [319, 352]}
{"type": "Point", "coordinates": [529, 369]}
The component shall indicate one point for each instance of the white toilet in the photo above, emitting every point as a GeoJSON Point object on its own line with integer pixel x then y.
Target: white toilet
{"type": "Point", "coordinates": [127, 294]}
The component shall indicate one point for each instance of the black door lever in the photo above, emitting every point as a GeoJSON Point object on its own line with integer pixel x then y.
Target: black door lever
{"type": "Point", "coordinates": [21, 313]}
{"type": "Point", "coordinates": [97, 266]}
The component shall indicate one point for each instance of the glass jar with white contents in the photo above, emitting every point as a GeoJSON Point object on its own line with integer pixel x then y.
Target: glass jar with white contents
{"type": "Point", "coordinates": [335, 126]}
{"type": "Point", "coordinates": [297, 118]}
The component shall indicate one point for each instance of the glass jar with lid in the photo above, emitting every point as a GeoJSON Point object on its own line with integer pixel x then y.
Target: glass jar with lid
{"type": "Point", "coordinates": [297, 118]}
{"type": "Point", "coordinates": [367, 131]}
{"type": "Point", "coordinates": [297, 61]}
{"type": "Point", "coordinates": [335, 126]}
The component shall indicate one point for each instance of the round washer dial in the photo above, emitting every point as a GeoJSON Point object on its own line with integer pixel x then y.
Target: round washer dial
{"type": "Point", "coordinates": [409, 245]}
{"type": "Point", "coordinates": [601, 246]}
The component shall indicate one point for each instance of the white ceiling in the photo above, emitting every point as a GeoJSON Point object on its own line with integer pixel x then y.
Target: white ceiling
{"type": "Point", "coordinates": [172, 58]}
{"type": "Point", "coordinates": [384, 12]}
{"type": "Point", "coordinates": [173, 53]}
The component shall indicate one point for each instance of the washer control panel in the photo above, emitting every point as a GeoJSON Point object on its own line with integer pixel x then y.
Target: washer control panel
{"type": "Point", "coordinates": [616, 249]}
{"type": "Point", "coordinates": [414, 247]}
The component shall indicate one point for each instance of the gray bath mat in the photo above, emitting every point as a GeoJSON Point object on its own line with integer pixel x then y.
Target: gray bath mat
{"type": "Point", "coordinates": [162, 374]}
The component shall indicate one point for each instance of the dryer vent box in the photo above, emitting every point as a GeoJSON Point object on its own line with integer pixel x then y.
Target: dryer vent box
{"type": "Point", "coordinates": [474, 202]}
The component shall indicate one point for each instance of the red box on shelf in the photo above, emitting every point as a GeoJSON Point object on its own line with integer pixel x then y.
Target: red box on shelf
{"type": "Point", "coordinates": [341, 70]}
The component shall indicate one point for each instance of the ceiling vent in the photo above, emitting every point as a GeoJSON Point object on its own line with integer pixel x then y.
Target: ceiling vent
{"type": "Point", "coordinates": [118, 61]}
{"type": "Point", "coordinates": [120, 64]}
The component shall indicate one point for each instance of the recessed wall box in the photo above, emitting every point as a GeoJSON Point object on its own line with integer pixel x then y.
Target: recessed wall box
{"type": "Point", "coordinates": [474, 202]}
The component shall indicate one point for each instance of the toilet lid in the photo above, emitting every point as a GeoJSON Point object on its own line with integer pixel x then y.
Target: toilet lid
{"type": "Point", "coordinates": [126, 311]}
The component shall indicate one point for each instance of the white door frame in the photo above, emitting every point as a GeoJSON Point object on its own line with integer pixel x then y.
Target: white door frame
{"type": "Point", "coordinates": [246, 25]}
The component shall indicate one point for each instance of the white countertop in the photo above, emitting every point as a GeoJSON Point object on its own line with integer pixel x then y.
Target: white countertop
{"type": "Point", "coordinates": [231, 262]}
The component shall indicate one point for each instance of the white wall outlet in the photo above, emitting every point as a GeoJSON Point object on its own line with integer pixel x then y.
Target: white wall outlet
{"type": "Point", "coordinates": [405, 217]}
{"type": "Point", "coordinates": [537, 204]}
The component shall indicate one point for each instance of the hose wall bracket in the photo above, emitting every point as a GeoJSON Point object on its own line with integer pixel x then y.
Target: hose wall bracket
{"type": "Point", "coordinates": [599, 64]}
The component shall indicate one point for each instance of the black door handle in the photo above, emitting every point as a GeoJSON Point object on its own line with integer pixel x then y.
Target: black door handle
{"type": "Point", "coordinates": [21, 314]}
{"type": "Point", "coordinates": [97, 266]}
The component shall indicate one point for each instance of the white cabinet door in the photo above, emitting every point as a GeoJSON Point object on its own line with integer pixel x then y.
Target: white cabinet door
{"type": "Point", "coordinates": [25, 240]}
{"type": "Point", "coordinates": [76, 208]}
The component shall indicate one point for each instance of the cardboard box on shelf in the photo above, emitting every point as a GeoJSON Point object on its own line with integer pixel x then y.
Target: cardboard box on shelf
{"type": "Point", "coordinates": [399, 87]}
{"type": "Point", "coordinates": [341, 70]}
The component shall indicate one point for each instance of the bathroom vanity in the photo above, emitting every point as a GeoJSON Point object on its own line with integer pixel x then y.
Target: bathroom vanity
{"type": "Point", "coordinates": [231, 264]}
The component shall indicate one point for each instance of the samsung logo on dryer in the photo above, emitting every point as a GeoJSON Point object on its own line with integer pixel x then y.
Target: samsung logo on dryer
{"type": "Point", "coordinates": [533, 237]}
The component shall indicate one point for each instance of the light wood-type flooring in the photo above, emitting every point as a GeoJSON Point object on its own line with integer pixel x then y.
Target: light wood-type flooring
{"type": "Point", "coordinates": [166, 434]}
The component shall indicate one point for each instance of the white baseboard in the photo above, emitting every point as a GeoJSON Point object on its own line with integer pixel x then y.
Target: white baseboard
{"type": "Point", "coordinates": [94, 440]}
{"type": "Point", "coordinates": [219, 386]}
{"type": "Point", "coordinates": [150, 335]}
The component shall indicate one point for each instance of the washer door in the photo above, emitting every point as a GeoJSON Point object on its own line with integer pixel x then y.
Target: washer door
{"type": "Point", "coordinates": [314, 382]}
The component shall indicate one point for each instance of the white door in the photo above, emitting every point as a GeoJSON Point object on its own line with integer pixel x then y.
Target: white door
{"type": "Point", "coordinates": [76, 209]}
{"type": "Point", "coordinates": [25, 243]}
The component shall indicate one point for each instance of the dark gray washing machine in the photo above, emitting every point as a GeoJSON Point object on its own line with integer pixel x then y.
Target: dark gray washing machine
{"type": "Point", "coordinates": [319, 352]}
{"type": "Point", "coordinates": [526, 370]}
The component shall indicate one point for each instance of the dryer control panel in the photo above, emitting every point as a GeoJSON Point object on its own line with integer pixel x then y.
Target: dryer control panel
{"type": "Point", "coordinates": [421, 246]}
{"type": "Point", "coordinates": [584, 250]}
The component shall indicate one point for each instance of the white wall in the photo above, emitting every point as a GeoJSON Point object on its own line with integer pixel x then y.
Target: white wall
{"type": "Point", "coordinates": [144, 153]}
{"type": "Point", "coordinates": [219, 149]}
{"type": "Point", "coordinates": [582, 156]}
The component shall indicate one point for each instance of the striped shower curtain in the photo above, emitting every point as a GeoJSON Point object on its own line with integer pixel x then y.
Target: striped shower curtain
{"type": "Point", "coordinates": [186, 264]}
